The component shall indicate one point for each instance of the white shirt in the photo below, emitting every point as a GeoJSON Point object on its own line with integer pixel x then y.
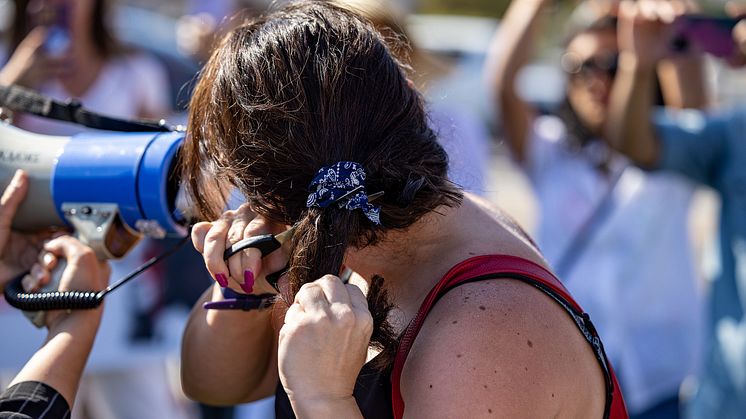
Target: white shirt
{"type": "Point", "coordinates": [635, 277]}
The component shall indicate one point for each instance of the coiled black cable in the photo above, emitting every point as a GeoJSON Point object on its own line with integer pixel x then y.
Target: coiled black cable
{"type": "Point", "coordinates": [73, 300]}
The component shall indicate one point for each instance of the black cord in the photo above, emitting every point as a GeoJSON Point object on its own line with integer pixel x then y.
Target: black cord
{"type": "Point", "coordinates": [17, 297]}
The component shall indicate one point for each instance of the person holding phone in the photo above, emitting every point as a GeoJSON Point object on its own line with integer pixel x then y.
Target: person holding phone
{"type": "Point", "coordinates": [65, 49]}
{"type": "Point", "coordinates": [603, 226]}
{"type": "Point", "coordinates": [707, 147]}
{"type": "Point", "coordinates": [46, 386]}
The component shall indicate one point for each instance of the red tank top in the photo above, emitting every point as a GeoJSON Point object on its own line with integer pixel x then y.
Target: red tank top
{"type": "Point", "coordinates": [508, 267]}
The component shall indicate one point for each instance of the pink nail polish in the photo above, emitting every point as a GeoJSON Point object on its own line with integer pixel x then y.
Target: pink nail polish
{"type": "Point", "coordinates": [248, 281]}
{"type": "Point", "coordinates": [222, 280]}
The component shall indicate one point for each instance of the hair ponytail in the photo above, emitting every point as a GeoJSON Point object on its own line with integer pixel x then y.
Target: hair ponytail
{"type": "Point", "coordinates": [296, 90]}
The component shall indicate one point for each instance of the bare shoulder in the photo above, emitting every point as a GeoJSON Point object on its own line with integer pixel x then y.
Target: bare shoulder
{"type": "Point", "coordinates": [503, 348]}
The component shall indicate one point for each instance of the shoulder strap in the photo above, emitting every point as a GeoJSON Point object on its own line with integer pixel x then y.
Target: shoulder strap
{"type": "Point", "coordinates": [579, 242]}
{"type": "Point", "coordinates": [491, 267]}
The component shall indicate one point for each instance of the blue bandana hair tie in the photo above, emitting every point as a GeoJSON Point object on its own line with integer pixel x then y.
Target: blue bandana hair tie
{"type": "Point", "coordinates": [342, 183]}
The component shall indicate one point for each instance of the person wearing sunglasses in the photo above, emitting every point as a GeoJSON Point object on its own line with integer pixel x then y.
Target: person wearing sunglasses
{"type": "Point", "coordinates": [707, 147]}
{"type": "Point", "coordinates": [46, 386]}
{"type": "Point", "coordinates": [615, 235]}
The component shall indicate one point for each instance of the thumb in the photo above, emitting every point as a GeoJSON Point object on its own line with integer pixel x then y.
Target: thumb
{"type": "Point", "coordinates": [11, 199]}
{"type": "Point", "coordinates": [34, 40]}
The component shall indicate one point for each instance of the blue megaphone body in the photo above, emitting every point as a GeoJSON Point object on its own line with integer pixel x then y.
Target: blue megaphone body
{"type": "Point", "coordinates": [114, 187]}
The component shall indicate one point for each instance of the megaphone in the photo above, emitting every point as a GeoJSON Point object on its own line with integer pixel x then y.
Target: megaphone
{"type": "Point", "coordinates": [111, 187]}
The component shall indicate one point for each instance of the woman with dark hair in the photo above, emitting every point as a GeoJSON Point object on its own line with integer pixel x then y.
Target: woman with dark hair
{"type": "Point", "coordinates": [616, 235]}
{"type": "Point", "coordinates": [310, 116]}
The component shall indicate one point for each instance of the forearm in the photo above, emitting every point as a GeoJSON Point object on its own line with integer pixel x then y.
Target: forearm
{"type": "Point", "coordinates": [510, 50]}
{"type": "Point", "coordinates": [682, 81]}
{"type": "Point", "coordinates": [322, 409]}
{"type": "Point", "coordinates": [59, 363]}
{"type": "Point", "coordinates": [629, 128]}
{"type": "Point", "coordinates": [228, 356]}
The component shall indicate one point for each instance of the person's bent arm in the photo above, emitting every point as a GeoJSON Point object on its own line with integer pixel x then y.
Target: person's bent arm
{"type": "Point", "coordinates": [60, 361]}
{"type": "Point", "coordinates": [228, 356]}
{"type": "Point", "coordinates": [629, 128]}
{"type": "Point", "coordinates": [511, 48]}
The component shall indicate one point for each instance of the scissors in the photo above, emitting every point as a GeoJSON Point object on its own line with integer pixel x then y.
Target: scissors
{"type": "Point", "coordinates": [266, 244]}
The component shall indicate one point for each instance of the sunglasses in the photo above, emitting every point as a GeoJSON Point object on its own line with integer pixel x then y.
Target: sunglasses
{"type": "Point", "coordinates": [606, 64]}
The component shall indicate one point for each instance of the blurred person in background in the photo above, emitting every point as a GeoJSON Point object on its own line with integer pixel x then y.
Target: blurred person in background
{"type": "Point", "coordinates": [706, 147]}
{"type": "Point", "coordinates": [204, 22]}
{"type": "Point", "coordinates": [462, 134]}
{"type": "Point", "coordinates": [616, 235]}
{"type": "Point", "coordinates": [45, 388]}
{"type": "Point", "coordinates": [65, 49]}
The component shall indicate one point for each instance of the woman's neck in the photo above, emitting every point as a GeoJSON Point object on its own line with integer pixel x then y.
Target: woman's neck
{"type": "Point", "coordinates": [413, 261]}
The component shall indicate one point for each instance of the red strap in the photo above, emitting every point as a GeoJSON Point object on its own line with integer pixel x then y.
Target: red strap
{"type": "Point", "coordinates": [469, 270]}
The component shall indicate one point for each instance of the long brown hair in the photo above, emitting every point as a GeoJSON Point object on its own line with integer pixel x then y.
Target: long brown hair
{"type": "Point", "coordinates": [305, 87]}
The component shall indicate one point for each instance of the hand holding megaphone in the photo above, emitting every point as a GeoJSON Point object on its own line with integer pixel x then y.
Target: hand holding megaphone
{"type": "Point", "coordinates": [75, 266]}
{"type": "Point", "coordinates": [18, 252]}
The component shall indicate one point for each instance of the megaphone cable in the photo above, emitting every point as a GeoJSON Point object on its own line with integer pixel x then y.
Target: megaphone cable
{"type": "Point", "coordinates": [17, 297]}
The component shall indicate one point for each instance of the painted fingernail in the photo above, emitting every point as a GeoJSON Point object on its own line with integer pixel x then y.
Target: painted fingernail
{"type": "Point", "coordinates": [248, 281]}
{"type": "Point", "coordinates": [222, 280]}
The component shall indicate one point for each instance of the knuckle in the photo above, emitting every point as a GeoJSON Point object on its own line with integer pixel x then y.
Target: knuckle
{"type": "Point", "coordinates": [307, 288]}
{"type": "Point", "coordinates": [346, 317]}
{"type": "Point", "coordinates": [245, 210]}
{"type": "Point", "coordinates": [256, 225]}
{"type": "Point", "coordinates": [328, 279]}
{"type": "Point", "coordinates": [216, 234]}
{"type": "Point", "coordinates": [228, 215]}
{"type": "Point", "coordinates": [199, 230]}
{"type": "Point", "coordinates": [86, 254]}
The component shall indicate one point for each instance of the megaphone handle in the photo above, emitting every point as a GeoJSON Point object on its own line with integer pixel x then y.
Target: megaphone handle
{"type": "Point", "coordinates": [36, 304]}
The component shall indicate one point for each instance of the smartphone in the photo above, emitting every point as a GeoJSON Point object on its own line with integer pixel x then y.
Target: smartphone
{"type": "Point", "coordinates": [54, 15]}
{"type": "Point", "coordinates": [713, 35]}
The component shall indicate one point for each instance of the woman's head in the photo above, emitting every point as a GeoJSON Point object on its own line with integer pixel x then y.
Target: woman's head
{"type": "Point", "coordinates": [591, 60]}
{"type": "Point", "coordinates": [86, 21]}
{"type": "Point", "coordinates": [303, 88]}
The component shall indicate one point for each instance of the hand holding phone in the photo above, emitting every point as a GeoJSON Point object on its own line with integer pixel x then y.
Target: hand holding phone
{"type": "Point", "coordinates": [713, 35]}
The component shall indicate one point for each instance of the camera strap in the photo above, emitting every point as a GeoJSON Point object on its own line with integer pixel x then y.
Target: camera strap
{"type": "Point", "coordinates": [21, 99]}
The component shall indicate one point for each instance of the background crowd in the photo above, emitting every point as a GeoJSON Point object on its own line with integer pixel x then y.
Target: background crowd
{"type": "Point", "coordinates": [556, 111]}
